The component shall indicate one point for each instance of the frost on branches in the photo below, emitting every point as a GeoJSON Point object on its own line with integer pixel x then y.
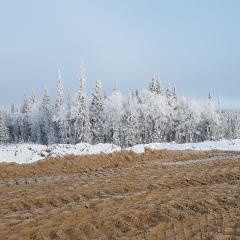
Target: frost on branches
{"type": "Point", "coordinates": [4, 132]}
{"type": "Point", "coordinates": [145, 116]}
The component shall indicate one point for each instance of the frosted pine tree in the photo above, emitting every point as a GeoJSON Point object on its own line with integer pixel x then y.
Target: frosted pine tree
{"type": "Point", "coordinates": [46, 101]}
{"type": "Point", "coordinates": [69, 100]}
{"type": "Point", "coordinates": [60, 122]}
{"type": "Point", "coordinates": [82, 125]}
{"type": "Point", "coordinates": [210, 121]}
{"type": "Point", "coordinates": [32, 98]}
{"type": "Point", "coordinates": [96, 114]}
{"type": "Point", "coordinates": [159, 86]}
{"type": "Point", "coordinates": [237, 125]}
{"type": "Point", "coordinates": [147, 101]}
{"type": "Point", "coordinates": [24, 108]}
{"type": "Point", "coordinates": [152, 85]}
{"type": "Point", "coordinates": [59, 99]}
{"type": "Point", "coordinates": [233, 125]}
{"type": "Point", "coordinates": [209, 96]}
{"type": "Point", "coordinates": [35, 117]}
{"type": "Point", "coordinates": [4, 132]}
{"type": "Point", "coordinates": [219, 104]}
{"type": "Point", "coordinates": [175, 96]}
{"type": "Point", "coordinates": [12, 108]}
{"type": "Point", "coordinates": [155, 85]}
{"type": "Point", "coordinates": [47, 130]}
{"type": "Point", "coordinates": [170, 113]}
{"type": "Point", "coordinates": [229, 125]}
{"type": "Point", "coordinates": [115, 88]}
{"type": "Point", "coordinates": [132, 134]}
{"type": "Point", "coordinates": [13, 121]}
{"type": "Point", "coordinates": [25, 123]}
{"type": "Point", "coordinates": [168, 91]}
{"type": "Point", "coordinates": [67, 122]}
{"type": "Point", "coordinates": [222, 124]}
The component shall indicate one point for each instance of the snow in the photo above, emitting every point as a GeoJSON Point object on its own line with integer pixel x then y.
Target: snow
{"type": "Point", "coordinates": [28, 153]}
{"type": "Point", "coordinates": [227, 145]}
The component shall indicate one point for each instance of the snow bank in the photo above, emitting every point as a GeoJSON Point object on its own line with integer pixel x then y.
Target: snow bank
{"type": "Point", "coordinates": [27, 153]}
{"type": "Point", "coordinates": [227, 145]}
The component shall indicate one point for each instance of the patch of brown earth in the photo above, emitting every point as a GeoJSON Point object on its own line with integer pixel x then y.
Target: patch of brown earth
{"type": "Point", "coordinates": [123, 196]}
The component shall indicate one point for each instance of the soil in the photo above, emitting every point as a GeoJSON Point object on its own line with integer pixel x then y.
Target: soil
{"type": "Point", "coordinates": [155, 195]}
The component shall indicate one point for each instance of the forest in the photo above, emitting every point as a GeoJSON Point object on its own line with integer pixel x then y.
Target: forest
{"type": "Point", "coordinates": [145, 116]}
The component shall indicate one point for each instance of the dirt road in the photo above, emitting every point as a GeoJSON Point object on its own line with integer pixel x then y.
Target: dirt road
{"type": "Point", "coordinates": [157, 195]}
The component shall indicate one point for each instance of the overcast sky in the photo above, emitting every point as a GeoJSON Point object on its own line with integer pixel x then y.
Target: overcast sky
{"type": "Point", "coordinates": [193, 44]}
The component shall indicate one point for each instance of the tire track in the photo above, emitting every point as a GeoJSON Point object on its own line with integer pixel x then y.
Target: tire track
{"type": "Point", "coordinates": [141, 200]}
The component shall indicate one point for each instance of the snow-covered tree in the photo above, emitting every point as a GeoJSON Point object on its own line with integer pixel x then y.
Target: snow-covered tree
{"type": "Point", "coordinates": [12, 108]}
{"type": "Point", "coordinates": [113, 113]}
{"type": "Point", "coordinates": [219, 104]}
{"type": "Point", "coordinates": [61, 116]}
{"type": "Point", "coordinates": [32, 98]}
{"type": "Point", "coordinates": [159, 86]}
{"type": "Point", "coordinates": [152, 116]}
{"type": "Point", "coordinates": [155, 85]}
{"type": "Point", "coordinates": [35, 122]}
{"type": "Point", "coordinates": [175, 96]}
{"type": "Point", "coordinates": [210, 121]}
{"type": "Point", "coordinates": [147, 116]}
{"type": "Point", "coordinates": [209, 96]}
{"type": "Point", "coordinates": [96, 113]}
{"type": "Point", "coordinates": [115, 88]}
{"type": "Point", "coordinates": [59, 99]}
{"type": "Point", "coordinates": [69, 99]}
{"type": "Point", "coordinates": [24, 122]}
{"type": "Point", "coordinates": [186, 119]}
{"type": "Point", "coordinates": [80, 113]}
{"type": "Point", "coordinates": [168, 91]}
{"type": "Point", "coordinates": [131, 133]}
{"type": "Point", "coordinates": [152, 85]}
{"type": "Point", "coordinates": [46, 124]}
{"type": "Point", "coordinates": [24, 108]}
{"type": "Point", "coordinates": [4, 132]}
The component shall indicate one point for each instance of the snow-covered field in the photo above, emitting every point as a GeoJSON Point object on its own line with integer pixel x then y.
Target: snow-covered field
{"type": "Point", "coordinates": [28, 153]}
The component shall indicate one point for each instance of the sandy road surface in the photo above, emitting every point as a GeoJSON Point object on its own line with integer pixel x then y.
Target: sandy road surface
{"type": "Point", "coordinates": [156, 195]}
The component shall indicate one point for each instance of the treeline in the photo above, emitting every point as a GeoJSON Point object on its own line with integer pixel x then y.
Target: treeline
{"type": "Point", "coordinates": [145, 116]}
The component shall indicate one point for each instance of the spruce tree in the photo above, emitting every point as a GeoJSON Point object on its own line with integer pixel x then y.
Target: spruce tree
{"type": "Point", "coordinates": [96, 113]}
{"type": "Point", "coordinates": [60, 121]}
{"type": "Point", "coordinates": [115, 88]}
{"type": "Point", "coordinates": [47, 130]}
{"type": "Point", "coordinates": [82, 125]}
{"type": "Point", "coordinates": [69, 100]}
{"type": "Point", "coordinates": [132, 134]}
{"type": "Point", "coordinates": [4, 132]}
{"type": "Point", "coordinates": [219, 104]}
{"type": "Point", "coordinates": [24, 108]}
{"type": "Point", "coordinates": [12, 108]}
{"type": "Point", "coordinates": [210, 121]}
{"type": "Point", "coordinates": [159, 86]}
{"type": "Point", "coordinates": [168, 91]}
{"type": "Point", "coordinates": [60, 98]}
{"type": "Point", "coordinates": [25, 123]}
{"type": "Point", "coordinates": [209, 96]}
{"type": "Point", "coordinates": [32, 98]}
{"type": "Point", "coordinates": [175, 96]}
{"type": "Point", "coordinates": [152, 85]}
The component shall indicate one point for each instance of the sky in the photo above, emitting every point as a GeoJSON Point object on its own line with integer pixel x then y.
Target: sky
{"type": "Point", "coordinates": [195, 45]}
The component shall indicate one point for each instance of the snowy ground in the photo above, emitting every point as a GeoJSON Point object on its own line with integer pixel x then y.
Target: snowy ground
{"type": "Point", "coordinates": [27, 153]}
